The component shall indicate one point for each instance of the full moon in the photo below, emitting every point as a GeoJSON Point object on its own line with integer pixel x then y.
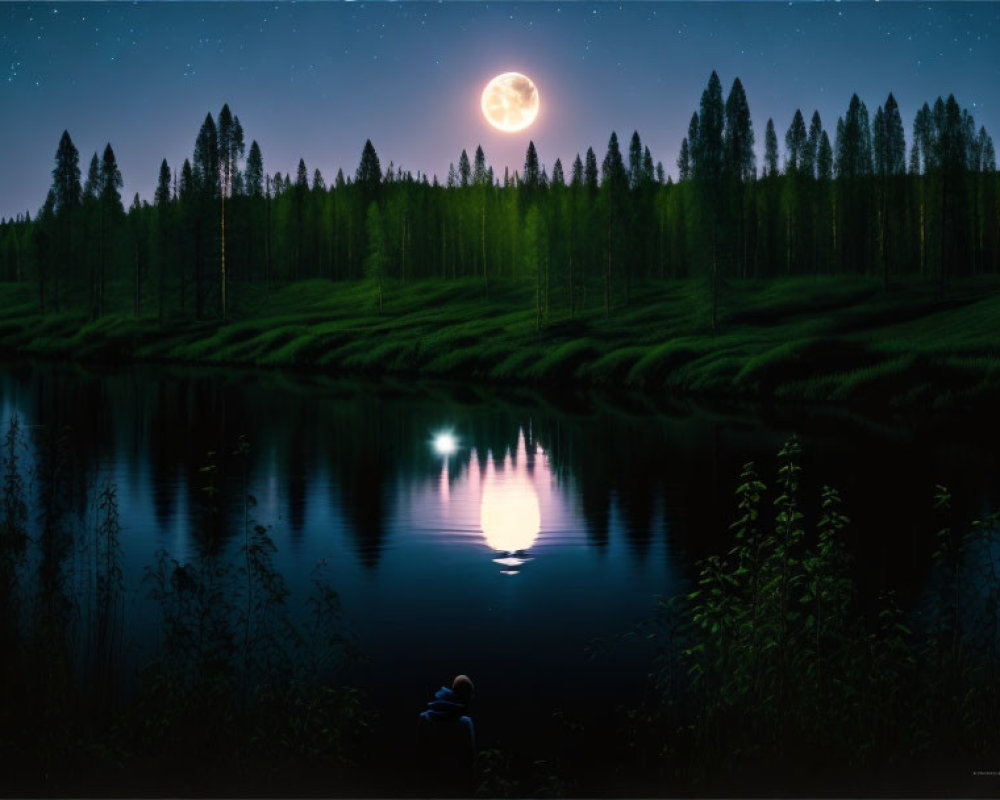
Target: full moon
{"type": "Point", "coordinates": [510, 102]}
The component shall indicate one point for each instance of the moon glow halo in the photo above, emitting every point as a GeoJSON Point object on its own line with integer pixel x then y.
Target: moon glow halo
{"type": "Point", "coordinates": [510, 102]}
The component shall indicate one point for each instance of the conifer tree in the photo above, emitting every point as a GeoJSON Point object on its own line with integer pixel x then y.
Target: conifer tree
{"type": "Point", "coordinates": [590, 171]}
{"type": "Point", "coordinates": [464, 169]}
{"type": "Point", "coordinates": [795, 143]}
{"type": "Point", "coordinates": [205, 171]}
{"type": "Point", "coordinates": [479, 172]}
{"type": "Point", "coordinates": [66, 176]}
{"type": "Point", "coordinates": [111, 213]}
{"type": "Point", "coordinates": [634, 161]}
{"type": "Point", "coordinates": [163, 244]}
{"type": "Point", "coordinates": [558, 179]}
{"type": "Point", "coordinates": [531, 177]}
{"type": "Point", "coordinates": [811, 151]}
{"type": "Point", "coordinates": [709, 171]}
{"type": "Point", "coordinates": [369, 173]}
{"type": "Point", "coordinates": [255, 171]}
{"type": "Point", "coordinates": [614, 185]}
{"type": "Point", "coordinates": [770, 149]}
{"type": "Point", "coordinates": [92, 185]}
{"type": "Point", "coordinates": [648, 175]}
{"type": "Point", "coordinates": [741, 163]}
{"type": "Point", "coordinates": [684, 161]}
{"type": "Point", "coordinates": [230, 149]}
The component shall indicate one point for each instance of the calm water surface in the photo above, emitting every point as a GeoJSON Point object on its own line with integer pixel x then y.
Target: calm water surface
{"type": "Point", "coordinates": [551, 527]}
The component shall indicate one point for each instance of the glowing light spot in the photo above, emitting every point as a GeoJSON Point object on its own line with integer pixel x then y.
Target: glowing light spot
{"type": "Point", "coordinates": [445, 443]}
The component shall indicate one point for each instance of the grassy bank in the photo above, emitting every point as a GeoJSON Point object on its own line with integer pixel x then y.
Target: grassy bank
{"type": "Point", "coordinates": [817, 339]}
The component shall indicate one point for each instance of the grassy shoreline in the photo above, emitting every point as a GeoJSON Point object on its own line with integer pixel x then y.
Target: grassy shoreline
{"type": "Point", "coordinates": [831, 340]}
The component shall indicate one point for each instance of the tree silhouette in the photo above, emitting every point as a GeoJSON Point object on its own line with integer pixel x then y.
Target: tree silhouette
{"type": "Point", "coordinates": [706, 132]}
{"type": "Point", "coordinates": [614, 184]}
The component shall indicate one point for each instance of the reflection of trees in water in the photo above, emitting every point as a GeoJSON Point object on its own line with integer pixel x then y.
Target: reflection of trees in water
{"type": "Point", "coordinates": [166, 442]}
{"type": "Point", "coordinates": [364, 462]}
{"type": "Point", "coordinates": [161, 423]}
{"type": "Point", "coordinates": [299, 465]}
{"type": "Point", "coordinates": [363, 437]}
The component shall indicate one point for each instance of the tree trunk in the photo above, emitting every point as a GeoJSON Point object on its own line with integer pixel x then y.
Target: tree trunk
{"type": "Point", "coordinates": [607, 275]}
{"type": "Point", "coordinates": [138, 286]}
{"type": "Point", "coordinates": [482, 238]}
{"type": "Point", "coordinates": [223, 234]}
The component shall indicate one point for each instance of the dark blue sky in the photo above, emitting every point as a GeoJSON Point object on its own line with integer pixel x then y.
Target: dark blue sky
{"type": "Point", "coordinates": [315, 79]}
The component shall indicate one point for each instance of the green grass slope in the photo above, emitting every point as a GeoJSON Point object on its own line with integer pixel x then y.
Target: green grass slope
{"type": "Point", "coordinates": [810, 339]}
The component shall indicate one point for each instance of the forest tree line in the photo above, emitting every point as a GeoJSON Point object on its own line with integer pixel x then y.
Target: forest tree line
{"type": "Point", "coordinates": [583, 235]}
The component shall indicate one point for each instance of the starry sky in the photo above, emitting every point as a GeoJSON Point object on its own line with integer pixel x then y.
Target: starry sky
{"type": "Point", "coordinates": [314, 80]}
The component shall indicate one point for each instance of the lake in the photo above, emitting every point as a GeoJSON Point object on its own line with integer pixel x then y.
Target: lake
{"type": "Point", "coordinates": [511, 534]}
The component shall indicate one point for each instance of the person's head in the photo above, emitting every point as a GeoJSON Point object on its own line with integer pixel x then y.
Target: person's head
{"type": "Point", "coordinates": [463, 688]}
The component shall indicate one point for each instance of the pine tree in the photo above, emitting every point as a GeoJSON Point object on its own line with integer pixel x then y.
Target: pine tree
{"type": "Point", "coordinates": [255, 171]}
{"type": "Point", "coordinates": [889, 151]}
{"type": "Point", "coordinates": [811, 151]}
{"type": "Point", "coordinates": [853, 157]}
{"type": "Point", "coordinates": [479, 172]}
{"type": "Point", "coordinates": [684, 162]}
{"type": "Point", "coordinates": [369, 173]}
{"type": "Point", "coordinates": [206, 158]}
{"type": "Point", "coordinates": [590, 171]}
{"type": "Point", "coordinates": [614, 185]}
{"type": "Point", "coordinates": [230, 148]}
{"type": "Point", "coordinates": [464, 169]}
{"type": "Point", "coordinates": [162, 196]}
{"type": "Point", "coordinates": [738, 138]}
{"type": "Point", "coordinates": [92, 185]}
{"type": "Point", "coordinates": [531, 177]}
{"type": "Point", "coordinates": [795, 143]}
{"type": "Point", "coordinates": [770, 149]}
{"type": "Point", "coordinates": [205, 170]}
{"type": "Point", "coordinates": [694, 128]}
{"type": "Point", "coordinates": [853, 165]}
{"type": "Point", "coordinates": [895, 138]}
{"type": "Point", "coordinates": [576, 181]}
{"type": "Point", "coordinates": [648, 175]}
{"type": "Point", "coordinates": [136, 226]}
{"type": "Point", "coordinates": [558, 179]}
{"type": "Point", "coordinates": [111, 212]}
{"type": "Point", "coordinates": [741, 163]}
{"type": "Point", "coordinates": [66, 175]}
{"type": "Point", "coordinates": [164, 245]}
{"type": "Point", "coordinates": [709, 171]}
{"type": "Point", "coordinates": [635, 161]}
{"type": "Point", "coordinates": [824, 174]}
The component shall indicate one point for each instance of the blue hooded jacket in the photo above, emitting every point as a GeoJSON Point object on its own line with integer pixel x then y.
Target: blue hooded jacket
{"type": "Point", "coordinates": [446, 721]}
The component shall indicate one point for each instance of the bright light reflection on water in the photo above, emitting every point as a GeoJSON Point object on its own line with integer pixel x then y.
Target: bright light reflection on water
{"type": "Point", "coordinates": [506, 493]}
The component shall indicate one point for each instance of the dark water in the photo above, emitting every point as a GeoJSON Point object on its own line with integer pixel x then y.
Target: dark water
{"type": "Point", "coordinates": [554, 524]}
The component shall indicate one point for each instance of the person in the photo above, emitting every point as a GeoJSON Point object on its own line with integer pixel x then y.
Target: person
{"type": "Point", "coordinates": [447, 740]}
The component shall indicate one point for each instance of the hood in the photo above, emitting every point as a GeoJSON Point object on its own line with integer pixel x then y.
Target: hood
{"type": "Point", "coordinates": [445, 705]}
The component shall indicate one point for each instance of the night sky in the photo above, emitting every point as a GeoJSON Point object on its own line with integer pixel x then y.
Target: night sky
{"type": "Point", "coordinates": [314, 80]}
